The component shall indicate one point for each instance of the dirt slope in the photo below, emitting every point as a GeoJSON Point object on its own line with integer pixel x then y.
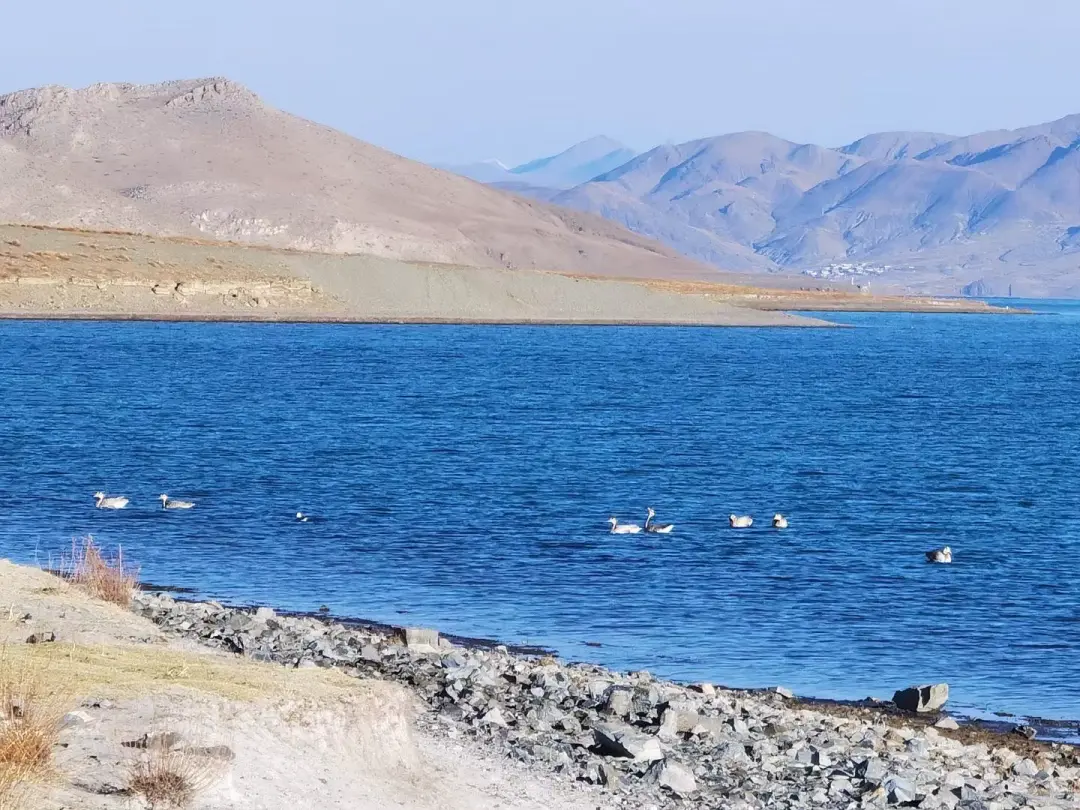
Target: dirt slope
{"type": "Point", "coordinates": [207, 157]}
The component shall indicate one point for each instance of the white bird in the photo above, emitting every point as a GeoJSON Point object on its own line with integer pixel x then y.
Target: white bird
{"type": "Point", "coordinates": [167, 503]}
{"type": "Point", "coordinates": [939, 555]}
{"type": "Point", "coordinates": [779, 521]}
{"type": "Point", "coordinates": [117, 502]}
{"type": "Point", "coordinates": [657, 528]}
{"type": "Point", "coordinates": [302, 517]}
{"type": "Point", "coordinates": [740, 521]}
{"type": "Point", "coordinates": [625, 528]}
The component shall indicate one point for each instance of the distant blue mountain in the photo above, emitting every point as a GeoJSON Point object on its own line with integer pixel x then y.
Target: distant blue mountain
{"type": "Point", "coordinates": [578, 164]}
{"type": "Point", "coordinates": [917, 211]}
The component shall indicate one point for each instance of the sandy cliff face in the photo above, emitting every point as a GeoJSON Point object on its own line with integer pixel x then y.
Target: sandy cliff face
{"type": "Point", "coordinates": [47, 272]}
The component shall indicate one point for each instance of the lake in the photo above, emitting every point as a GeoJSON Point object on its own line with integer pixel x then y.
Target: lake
{"type": "Point", "coordinates": [463, 476]}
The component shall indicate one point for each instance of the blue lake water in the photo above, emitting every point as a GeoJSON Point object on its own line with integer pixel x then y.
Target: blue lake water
{"type": "Point", "coordinates": [464, 475]}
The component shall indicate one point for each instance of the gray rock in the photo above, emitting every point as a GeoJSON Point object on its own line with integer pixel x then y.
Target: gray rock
{"type": "Point", "coordinates": [872, 770]}
{"type": "Point", "coordinates": [947, 723]}
{"type": "Point", "coordinates": [922, 698]}
{"type": "Point", "coordinates": [44, 637]}
{"type": "Point", "coordinates": [918, 748]}
{"type": "Point", "coordinates": [677, 721]}
{"type": "Point", "coordinates": [900, 790]}
{"type": "Point", "coordinates": [570, 725]}
{"type": "Point", "coordinates": [265, 614]}
{"type": "Point", "coordinates": [77, 718]}
{"type": "Point", "coordinates": [549, 714]}
{"type": "Point", "coordinates": [240, 621]}
{"type": "Point", "coordinates": [840, 785]}
{"type": "Point", "coordinates": [783, 692]}
{"type": "Point", "coordinates": [644, 701]}
{"type": "Point", "coordinates": [608, 775]}
{"type": "Point", "coordinates": [598, 689]}
{"type": "Point", "coordinates": [735, 754]}
{"type": "Point", "coordinates": [618, 701]}
{"type": "Point", "coordinates": [421, 639]}
{"type": "Point", "coordinates": [222, 753]}
{"type": "Point", "coordinates": [1025, 767]}
{"type": "Point", "coordinates": [1026, 731]}
{"type": "Point", "coordinates": [158, 741]}
{"type": "Point", "coordinates": [623, 741]}
{"type": "Point", "coordinates": [673, 776]}
{"type": "Point", "coordinates": [494, 717]}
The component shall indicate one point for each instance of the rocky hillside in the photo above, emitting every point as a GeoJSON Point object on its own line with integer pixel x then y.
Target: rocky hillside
{"type": "Point", "coordinates": [209, 158]}
{"type": "Point", "coordinates": [918, 210]}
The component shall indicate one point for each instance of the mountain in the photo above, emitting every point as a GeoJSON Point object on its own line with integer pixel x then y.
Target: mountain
{"type": "Point", "coordinates": [917, 211]}
{"type": "Point", "coordinates": [208, 158]}
{"type": "Point", "coordinates": [571, 167]}
{"type": "Point", "coordinates": [576, 165]}
{"type": "Point", "coordinates": [483, 171]}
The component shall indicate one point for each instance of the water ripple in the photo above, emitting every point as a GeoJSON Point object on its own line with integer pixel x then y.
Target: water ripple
{"type": "Point", "coordinates": [463, 476]}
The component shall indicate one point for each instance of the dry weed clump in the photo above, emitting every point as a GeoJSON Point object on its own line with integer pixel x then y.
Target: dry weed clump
{"type": "Point", "coordinates": [104, 577]}
{"type": "Point", "coordinates": [170, 779]}
{"type": "Point", "coordinates": [29, 728]}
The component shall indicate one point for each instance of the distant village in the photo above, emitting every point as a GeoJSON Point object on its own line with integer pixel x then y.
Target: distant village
{"type": "Point", "coordinates": [850, 270]}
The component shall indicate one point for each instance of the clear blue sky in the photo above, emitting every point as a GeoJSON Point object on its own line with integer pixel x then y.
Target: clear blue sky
{"type": "Point", "coordinates": [457, 80]}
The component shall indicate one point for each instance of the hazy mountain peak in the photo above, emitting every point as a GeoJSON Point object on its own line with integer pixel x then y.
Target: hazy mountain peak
{"type": "Point", "coordinates": [581, 162]}
{"type": "Point", "coordinates": [895, 145]}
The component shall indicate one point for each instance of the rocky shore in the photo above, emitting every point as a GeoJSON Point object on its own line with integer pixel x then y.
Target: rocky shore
{"type": "Point", "coordinates": [652, 743]}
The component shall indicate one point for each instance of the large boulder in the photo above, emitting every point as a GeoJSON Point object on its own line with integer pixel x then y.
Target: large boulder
{"type": "Point", "coordinates": [922, 698]}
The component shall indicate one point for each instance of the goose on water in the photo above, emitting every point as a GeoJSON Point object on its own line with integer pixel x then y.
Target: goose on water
{"type": "Point", "coordinates": [657, 528]}
{"type": "Point", "coordinates": [172, 503]}
{"type": "Point", "coordinates": [103, 502]}
{"type": "Point", "coordinates": [939, 555]}
{"type": "Point", "coordinates": [779, 521]}
{"type": "Point", "coordinates": [740, 521]}
{"type": "Point", "coordinates": [300, 516]}
{"type": "Point", "coordinates": [623, 528]}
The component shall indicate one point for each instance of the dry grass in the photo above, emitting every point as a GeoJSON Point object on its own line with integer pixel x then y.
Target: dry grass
{"type": "Point", "coordinates": [29, 726]}
{"type": "Point", "coordinates": [170, 779]}
{"type": "Point", "coordinates": [104, 577]}
{"type": "Point", "coordinates": [122, 671]}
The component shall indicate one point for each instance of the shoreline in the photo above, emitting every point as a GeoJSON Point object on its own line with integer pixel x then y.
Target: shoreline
{"type": "Point", "coordinates": [658, 743]}
{"type": "Point", "coordinates": [1064, 731]}
{"type": "Point", "coordinates": [296, 708]}
{"type": "Point", "coordinates": [797, 322]}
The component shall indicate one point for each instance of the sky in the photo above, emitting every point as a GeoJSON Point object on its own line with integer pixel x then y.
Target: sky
{"type": "Point", "coordinates": [452, 81]}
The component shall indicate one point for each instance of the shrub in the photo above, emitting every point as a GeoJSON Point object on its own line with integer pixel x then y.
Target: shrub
{"type": "Point", "coordinates": [107, 578]}
{"type": "Point", "coordinates": [170, 779]}
{"type": "Point", "coordinates": [29, 728]}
